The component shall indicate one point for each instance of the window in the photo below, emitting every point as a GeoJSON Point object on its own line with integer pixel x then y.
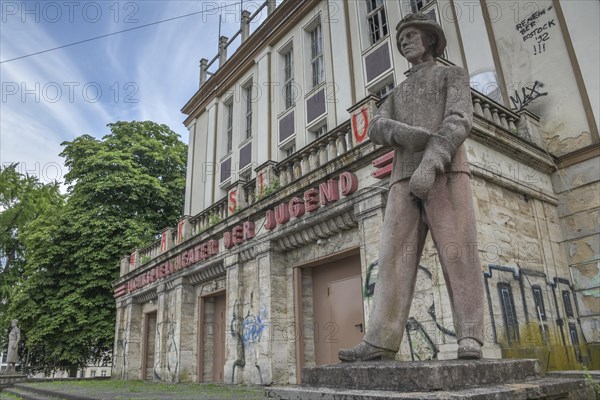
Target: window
{"type": "Point", "coordinates": [290, 150]}
{"type": "Point", "coordinates": [385, 90]}
{"type": "Point", "coordinates": [320, 131]}
{"type": "Point", "coordinates": [567, 302]}
{"type": "Point", "coordinates": [229, 128]}
{"type": "Point", "coordinates": [248, 100]}
{"type": "Point", "coordinates": [538, 298]}
{"type": "Point", "coordinates": [103, 373]}
{"type": "Point", "coordinates": [288, 79]}
{"type": "Point", "coordinates": [418, 5]}
{"type": "Point", "coordinates": [316, 55]}
{"type": "Point", "coordinates": [575, 341]}
{"type": "Point", "coordinates": [509, 313]}
{"type": "Point", "coordinates": [378, 26]}
{"type": "Point", "coordinates": [93, 373]}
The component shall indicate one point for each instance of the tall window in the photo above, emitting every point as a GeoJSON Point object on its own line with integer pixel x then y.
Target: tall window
{"type": "Point", "coordinates": [288, 79]}
{"type": "Point", "coordinates": [378, 25]}
{"type": "Point", "coordinates": [316, 55]}
{"type": "Point", "coordinates": [538, 299]}
{"type": "Point", "coordinates": [567, 302]}
{"type": "Point", "coordinates": [229, 139]}
{"type": "Point", "coordinates": [248, 101]}
{"type": "Point", "coordinates": [509, 313]}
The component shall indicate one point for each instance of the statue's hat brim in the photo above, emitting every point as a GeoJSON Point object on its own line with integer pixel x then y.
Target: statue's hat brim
{"type": "Point", "coordinates": [421, 21]}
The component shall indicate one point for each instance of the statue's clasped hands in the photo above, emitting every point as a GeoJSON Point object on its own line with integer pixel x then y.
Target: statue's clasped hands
{"type": "Point", "coordinates": [437, 154]}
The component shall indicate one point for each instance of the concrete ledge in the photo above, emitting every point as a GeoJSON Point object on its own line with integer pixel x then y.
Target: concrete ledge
{"type": "Point", "coordinates": [421, 376]}
{"type": "Point", "coordinates": [540, 389]}
{"type": "Point", "coordinates": [11, 379]}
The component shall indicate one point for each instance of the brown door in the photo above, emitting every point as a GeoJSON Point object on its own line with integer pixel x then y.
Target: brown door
{"type": "Point", "coordinates": [337, 307]}
{"type": "Point", "coordinates": [345, 304]}
{"type": "Point", "coordinates": [219, 339]}
{"type": "Point", "coordinates": [149, 345]}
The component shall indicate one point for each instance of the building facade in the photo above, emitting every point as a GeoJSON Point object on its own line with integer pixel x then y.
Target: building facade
{"type": "Point", "coordinates": [275, 263]}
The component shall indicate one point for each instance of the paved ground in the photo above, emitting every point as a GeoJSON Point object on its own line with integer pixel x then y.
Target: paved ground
{"type": "Point", "coordinates": [137, 390]}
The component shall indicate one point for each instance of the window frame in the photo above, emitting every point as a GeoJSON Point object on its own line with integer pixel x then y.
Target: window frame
{"type": "Point", "coordinates": [248, 100]}
{"type": "Point", "coordinates": [378, 11]}
{"type": "Point", "coordinates": [511, 326]}
{"type": "Point", "coordinates": [538, 301]}
{"type": "Point", "coordinates": [568, 305]}
{"type": "Point", "coordinates": [228, 144]}
{"type": "Point", "coordinates": [289, 99]}
{"type": "Point", "coordinates": [317, 58]}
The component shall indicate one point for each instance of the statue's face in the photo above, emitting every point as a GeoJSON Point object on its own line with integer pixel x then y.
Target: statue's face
{"type": "Point", "coordinates": [412, 42]}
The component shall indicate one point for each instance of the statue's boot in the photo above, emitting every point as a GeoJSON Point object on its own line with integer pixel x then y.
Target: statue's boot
{"type": "Point", "coordinates": [469, 349]}
{"type": "Point", "coordinates": [365, 352]}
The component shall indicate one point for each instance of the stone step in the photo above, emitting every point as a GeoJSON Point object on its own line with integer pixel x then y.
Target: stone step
{"type": "Point", "coordinates": [538, 389]}
{"type": "Point", "coordinates": [24, 395]}
{"type": "Point", "coordinates": [44, 393]}
{"type": "Point", "coordinates": [420, 376]}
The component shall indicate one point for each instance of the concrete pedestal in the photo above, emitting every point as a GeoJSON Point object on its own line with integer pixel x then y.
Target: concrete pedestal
{"type": "Point", "coordinates": [450, 379]}
{"type": "Point", "coordinates": [10, 378]}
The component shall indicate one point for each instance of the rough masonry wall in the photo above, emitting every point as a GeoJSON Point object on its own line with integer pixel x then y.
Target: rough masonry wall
{"type": "Point", "coordinates": [577, 187]}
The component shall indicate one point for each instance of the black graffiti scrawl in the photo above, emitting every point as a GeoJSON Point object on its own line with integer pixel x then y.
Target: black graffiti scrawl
{"type": "Point", "coordinates": [528, 94]}
{"type": "Point", "coordinates": [538, 27]}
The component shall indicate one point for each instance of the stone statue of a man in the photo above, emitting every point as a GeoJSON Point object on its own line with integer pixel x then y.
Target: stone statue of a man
{"type": "Point", "coordinates": [426, 119]}
{"type": "Point", "coordinates": [14, 337]}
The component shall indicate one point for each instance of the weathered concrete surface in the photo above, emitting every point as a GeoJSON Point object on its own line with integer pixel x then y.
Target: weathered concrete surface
{"type": "Point", "coordinates": [451, 379]}
{"type": "Point", "coordinates": [421, 375]}
{"type": "Point", "coordinates": [11, 378]}
{"type": "Point", "coordinates": [547, 388]}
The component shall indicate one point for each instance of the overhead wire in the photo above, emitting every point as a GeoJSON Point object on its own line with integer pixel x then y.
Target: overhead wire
{"type": "Point", "coordinates": [119, 32]}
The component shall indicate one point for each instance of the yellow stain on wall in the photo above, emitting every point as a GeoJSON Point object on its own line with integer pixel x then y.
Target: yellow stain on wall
{"type": "Point", "coordinates": [549, 349]}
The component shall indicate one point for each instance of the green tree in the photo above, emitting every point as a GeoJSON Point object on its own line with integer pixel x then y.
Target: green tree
{"type": "Point", "coordinates": [123, 189]}
{"type": "Point", "coordinates": [23, 199]}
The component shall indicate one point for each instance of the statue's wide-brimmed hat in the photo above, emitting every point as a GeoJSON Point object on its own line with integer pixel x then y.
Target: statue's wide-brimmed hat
{"type": "Point", "coordinates": [422, 21]}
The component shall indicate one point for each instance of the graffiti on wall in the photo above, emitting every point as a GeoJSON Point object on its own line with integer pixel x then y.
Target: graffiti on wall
{"type": "Point", "coordinates": [528, 94]}
{"type": "Point", "coordinates": [536, 29]}
{"type": "Point", "coordinates": [127, 333]}
{"type": "Point", "coordinates": [419, 338]}
{"type": "Point", "coordinates": [253, 327]}
{"type": "Point", "coordinates": [169, 327]}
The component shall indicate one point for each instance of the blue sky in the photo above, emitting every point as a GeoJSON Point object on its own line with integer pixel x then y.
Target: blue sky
{"type": "Point", "coordinates": [143, 74]}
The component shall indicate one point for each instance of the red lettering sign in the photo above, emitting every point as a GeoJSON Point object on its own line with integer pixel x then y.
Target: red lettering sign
{"type": "Point", "coordinates": [227, 240]}
{"type": "Point", "coordinates": [232, 201]}
{"type": "Point", "coordinates": [180, 231]}
{"type": "Point", "coordinates": [238, 234]}
{"type": "Point", "coordinates": [163, 242]}
{"type": "Point", "coordinates": [349, 183]}
{"type": "Point", "coordinates": [311, 200]}
{"type": "Point", "coordinates": [360, 125]}
{"type": "Point", "coordinates": [248, 230]}
{"type": "Point", "coordinates": [329, 191]}
{"type": "Point", "coordinates": [261, 183]}
{"type": "Point", "coordinates": [282, 214]}
{"type": "Point", "coordinates": [296, 207]}
{"type": "Point", "coordinates": [270, 220]}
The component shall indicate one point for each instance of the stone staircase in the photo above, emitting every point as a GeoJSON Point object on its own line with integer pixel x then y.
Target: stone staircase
{"type": "Point", "coordinates": [30, 392]}
{"type": "Point", "coordinates": [449, 379]}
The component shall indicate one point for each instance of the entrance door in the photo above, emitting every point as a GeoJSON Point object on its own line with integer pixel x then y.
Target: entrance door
{"type": "Point", "coordinates": [337, 307]}
{"type": "Point", "coordinates": [219, 339]}
{"type": "Point", "coordinates": [347, 311]}
{"type": "Point", "coordinates": [149, 345]}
